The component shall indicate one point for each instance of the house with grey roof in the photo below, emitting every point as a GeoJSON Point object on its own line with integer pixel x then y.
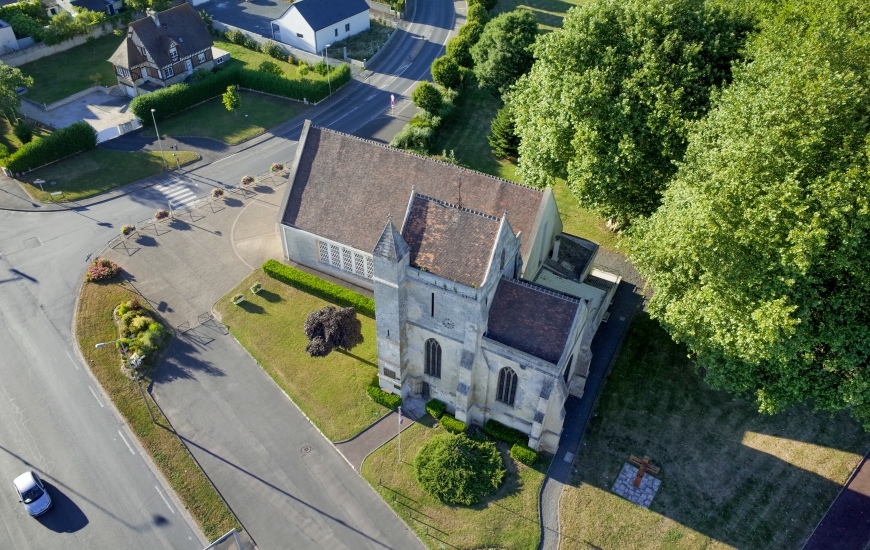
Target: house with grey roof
{"type": "Point", "coordinates": [312, 25]}
{"type": "Point", "coordinates": [481, 300]}
{"type": "Point", "coordinates": [163, 49]}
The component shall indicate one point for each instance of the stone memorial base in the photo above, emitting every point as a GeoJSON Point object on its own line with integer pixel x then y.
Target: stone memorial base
{"type": "Point", "coordinates": [643, 495]}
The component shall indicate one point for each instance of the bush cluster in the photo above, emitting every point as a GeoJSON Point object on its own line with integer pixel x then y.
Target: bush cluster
{"type": "Point", "coordinates": [452, 425]}
{"type": "Point", "coordinates": [102, 269]}
{"type": "Point", "coordinates": [499, 431]}
{"type": "Point", "coordinates": [435, 408]}
{"type": "Point", "coordinates": [523, 453]}
{"type": "Point", "coordinates": [319, 287]}
{"type": "Point", "coordinates": [458, 470]}
{"type": "Point", "coordinates": [77, 137]}
{"type": "Point", "coordinates": [141, 333]}
{"type": "Point", "coordinates": [178, 97]}
{"type": "Point", "coordinates": [388, 400]}
{"type": "Point", "coordinates": [420, 131]}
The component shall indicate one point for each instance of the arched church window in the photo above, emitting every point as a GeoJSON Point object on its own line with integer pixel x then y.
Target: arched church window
{"type": "Point", "coordinates": [501, 267]}
{"type": "Point", "coordinates": [507, 386]}
{"type": "Point", "coordinates": [433, 358]}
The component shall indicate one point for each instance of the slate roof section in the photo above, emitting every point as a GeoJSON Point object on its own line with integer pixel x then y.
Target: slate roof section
{"type": "Point", "coordinates": [323, 13]}
{"type": "Point", "coordinates": [180, 24]}
{"type": "Point", "coordinates": [391, 246]}
{"type": "Point", "coordinates": [93, 5]}
{"type": "Point", "coordinates": [454, 243]}
{"type": "Point", "coordinates": [343, 187]}
{"type": "Point", "coordinates": [531, 319]}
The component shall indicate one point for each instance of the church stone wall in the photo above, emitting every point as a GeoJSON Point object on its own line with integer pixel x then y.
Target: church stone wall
{"type": "Point", "coordinates": [301, 247]}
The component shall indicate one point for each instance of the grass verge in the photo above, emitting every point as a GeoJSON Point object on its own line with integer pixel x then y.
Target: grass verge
{"type": "Point", "coordinates": [506, 519]}
{"type": "Point", "coordinates": [94, 324]}
{"type": "Point", "coordinates": [63, 74]}
{"type": "Point", "coordinates": [11, 141]}
{"type": "Point", "coordinates": [211, 119]}
{"type": "Point", "coordinates": [731, 477]}
{"type": "Point", "coordinates": [97, 171]}
{"type": "Point", "coordinates": [549, 12]}
{"type": "Point", "coordinates": [364, 45]}
{"type": "Point", "coordinates": [243, 57]}
{"type": "Point", "coordinates": [330, 390]}
{"type": "Point", "coordinates": [465, 133]}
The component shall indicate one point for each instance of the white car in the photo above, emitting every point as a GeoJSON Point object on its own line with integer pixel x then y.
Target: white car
{"type": "Point", "coordinates": [32, 493]}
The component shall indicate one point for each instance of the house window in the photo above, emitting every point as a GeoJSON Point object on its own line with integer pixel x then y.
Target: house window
{"type": "Point", "coordinates": [347, 27]}
{"type": "Point", "coordinates": [336, 32]}
{"type": "Point", "coordinates": [567, 369]}
{"type": "Point", "coordinates": [141, 49]}
{"type": "Point", "coordinates": [345, 259]}
{"type": "Point", "coordinates": [299, 35]}
{"type": "Point", "coordinates": [432, 313]}
{"type": "Point", "coordinates": [433, 358]}
{"type": "Point", "coordinates": [201, 57]}
{"type": "Point", "coordinates": [169, 72]}
{"type": "Point", "coordinates": [507, 386]}
{"type": "Point", "coordinates": [122, 72]}
{"type": "Point", "coordinates": [173, 53]}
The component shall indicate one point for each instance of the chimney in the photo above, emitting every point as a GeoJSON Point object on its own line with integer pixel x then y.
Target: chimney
{"type": "Point", "coordinates": [153, 15]}
{"type": "Point", "coordinates": [555, 256]}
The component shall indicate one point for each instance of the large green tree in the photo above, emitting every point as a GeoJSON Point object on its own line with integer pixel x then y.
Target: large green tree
{"type": "Point", "coordinates": [11, 78]}
{"type": "Point", "coordinates": [759, 256]}
{"type": "Point", "coordinates": [504, 51]}
{"type": "Point", "coordinates": [611, 95]}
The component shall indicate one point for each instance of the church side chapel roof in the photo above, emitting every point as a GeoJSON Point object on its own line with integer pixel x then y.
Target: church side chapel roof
{"type": "Point", "coordinates": [180, 24]}
{"type": "Point", "coordinates": [451, 242]}
{"type": "Point", "coordinates": [344, 187]}
{"type": "Point", "coordinates": [531, 319]}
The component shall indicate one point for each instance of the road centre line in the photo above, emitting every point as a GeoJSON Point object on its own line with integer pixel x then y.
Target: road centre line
{"type": "Point", "coordinates": [127, 443]}
{"type": "Point", "coordinates": [164, 499]}
{"type": "Point", "coordinates": [70, 356]}
{"type": "Point", "coordinates": [95, 396]}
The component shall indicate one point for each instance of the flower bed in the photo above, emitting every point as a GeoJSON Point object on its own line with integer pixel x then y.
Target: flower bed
{"type": "Point", "coordinates": [102, 269]}
{"type": "Point", "coordinates": [217, 193]}
{"type": "Point", "coordinates": [247, 180]}
{"type": "Point", "coordinates": [161, 214]}
{"type": "Point", "coordinates": [128, 230]}
{"type": "Point", "coordinates": [277, 167]}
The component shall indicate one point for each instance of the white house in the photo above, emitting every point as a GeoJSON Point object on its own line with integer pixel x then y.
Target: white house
{"type": "Point", "coordinates": [8, 42]}
{"type": "Point", "coordinates": [311, 25]}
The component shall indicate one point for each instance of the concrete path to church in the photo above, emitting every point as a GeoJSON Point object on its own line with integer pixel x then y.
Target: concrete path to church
{"type": "Point", "coordinates": [287, 484]}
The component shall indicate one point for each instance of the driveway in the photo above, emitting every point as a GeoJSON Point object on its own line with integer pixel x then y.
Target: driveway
{"type": "Point", "coordinates": [280, 476]}
{"type": "Point", "coordinates": [102, 111]}
{"type": "Point", "coordinates": [254, 15]}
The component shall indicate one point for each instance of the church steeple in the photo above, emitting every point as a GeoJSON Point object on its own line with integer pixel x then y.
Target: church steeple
{"type": "Point", "coordinates": [391, 246]}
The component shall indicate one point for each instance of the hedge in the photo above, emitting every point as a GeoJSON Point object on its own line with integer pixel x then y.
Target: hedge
{"type": "Point", "coordinates": [524, 454]}
{"type": "Point", "coordinates": [318, 287]}
{"type": "Point", "coordinates": [62, 143]}
{"type": "Point", "coordinates": [452, 425]}
{"type": "Point", "coordinates": [435, 408]}
{"type": "Point", "coordinates": [178, 97]}
{"type": "Point", "coordinates": [389, 400]}
{"type": "Point", "coordinates": [496, 429]}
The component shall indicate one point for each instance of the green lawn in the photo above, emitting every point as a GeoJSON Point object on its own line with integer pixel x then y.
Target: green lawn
{"type": "Point", "coordinates": [507, 519]}
{"type": "Point", "coordinates": [465, 133]}
{"type": "Point", "coordinates": [731, 477]}
{"type": "Point", "coordinates": [365, 44]}
{"type": "Point", "coordinates": [98, 170]}
{"type": "Point", "coordinates": [211, 119]}
{"type": "Point", "coordinates": [549, 12]}
{"type": "Point", "coordinates": [94, 324]}
{"type": "Point", "coordinates": [10, 141]}
{"type": "Point", "coordinates": [329, 390]}
{"type": "Point", "coordinates": [250, 59]}
{"type": "Point", "coordinates": [60, 75]}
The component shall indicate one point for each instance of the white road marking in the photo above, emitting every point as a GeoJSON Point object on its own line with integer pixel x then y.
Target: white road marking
{"type": "Point", "coordinates": [76, 365]}
{"type": "Point", "coordinates": [177, 193]}
{"type": "Point", "coordinates": [164, 499]}
{"type": "Point", "coordinates": [95, 396]}
{"type": "Point", "coordinates": [127, 443]}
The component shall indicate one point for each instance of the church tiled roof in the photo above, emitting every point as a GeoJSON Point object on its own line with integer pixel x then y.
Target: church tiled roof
{"type": "Point", "coordinates": [531, 319]}
{"type": "Point", "coordinates": [454, 243]}
{"type": "Point", "coordinates": [344, 187]}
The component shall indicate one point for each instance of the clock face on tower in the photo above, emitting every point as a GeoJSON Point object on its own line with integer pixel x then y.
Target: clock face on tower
{"type": "Point", "coordinates": [448, 324]}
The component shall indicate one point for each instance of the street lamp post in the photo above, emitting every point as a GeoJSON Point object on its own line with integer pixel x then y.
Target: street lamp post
{"type": "Point", "coordinates": [175, 154]}
{"type": "Point", "coordinates": [326, 60]}
{"type": "Point", "coordinates": [166, 166]}
{"type": "Point", "coordinates": [134, 368]}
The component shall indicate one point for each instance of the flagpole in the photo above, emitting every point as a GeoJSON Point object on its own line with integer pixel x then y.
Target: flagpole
{"type": "Point", "coordinates": [400, 433]}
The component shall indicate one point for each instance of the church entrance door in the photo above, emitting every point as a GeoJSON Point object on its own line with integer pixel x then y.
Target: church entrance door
{"type": "Point", "coordinates": [425, 393]}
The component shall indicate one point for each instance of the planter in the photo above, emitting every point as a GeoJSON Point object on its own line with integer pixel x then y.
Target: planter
{"type": "Point", "coordinates": [128, 230]}
{"type": "Point", "coordinates": [217, 193]}
{"type": "Point", "coordinates": [238, 299]}
{"type": "Point", "coordinates": [161, 214]}
{"type": "Point", "coordinates": [247, 180]}
{"type": "Point", "coordinates": [256, 288]}
{"type": "Point", "coordinates": [277, 167]}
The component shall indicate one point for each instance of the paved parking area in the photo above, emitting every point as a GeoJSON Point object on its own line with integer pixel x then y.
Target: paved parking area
{"type": "Point", "coordinates": [102, 111]}
{"type": "Point", "coordinates": [253, 15]}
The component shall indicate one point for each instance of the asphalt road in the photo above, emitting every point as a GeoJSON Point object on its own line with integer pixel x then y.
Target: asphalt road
{"type": "Point", "coordinates": [54, 418]}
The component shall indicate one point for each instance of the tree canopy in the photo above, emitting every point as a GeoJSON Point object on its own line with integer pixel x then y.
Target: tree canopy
{"type": "Point", "coordinates": [759, 256]}
{"type": "Point", "coordinates": [458, 470]}
{"type": "Point", "coordinates": [610, 97]}
{"type": "Point", "coordinates": [427, 97]}
{"type": "Point", "coordinates": [331, 328]}
{"type": "Point", "coordinates": [503, 53]}
{"type": "Point", "coordinates": [11, 78]}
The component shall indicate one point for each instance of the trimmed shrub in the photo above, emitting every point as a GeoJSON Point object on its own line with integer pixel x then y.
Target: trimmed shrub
{"type": "Point", "coordinates": [273, 50]}
{"type": "Point", "coordinates": [435, 408]}
{"type": "Point", "coordinates": [487, 4]}
{"type": "Point", "coordinates": [471, 31]}
{"type": "Point", "coordinates": [523, 453]}
{"type": "Point", "coordinates": [458, 470]}
{"type": "Point", "coordinates": [478, 13]}
{"type": "Point", "coordinates": [320, 68]}
{"type": "Point", "coordinates": [452, 425]}
{"type": "Point", "coordinates": [388, 400]}
{"type": "Point", "coordinates": [318, 287]}
{"type": "Point", "coordinates": [270, 67]}
{"type": "Point", "coordinates": [427, 97]}
{"type": "Point", "coordinates": [445, 72]}
{"type": "Point", "coordinates": [23, 132]}
{"type": "Point", "coordinates": [236, 37]}
{"type": "Point", "coordinates": [73, 139]}
{"type": "Point", "coordinates": [414, 138]}
{"type": "Point", "coordinates": [459, 48]}
{"type": "Point", "coordinates": [499, 431]}
{"type": "Point", "coordinates": [102, 269]}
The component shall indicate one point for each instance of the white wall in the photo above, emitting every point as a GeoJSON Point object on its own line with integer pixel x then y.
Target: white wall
{"type": "Point", "coordinates": [358, 23]}
{"type": "Point", "coordinates": [289, 25]}
{"type": "Point", "coordinates": [8, 40]}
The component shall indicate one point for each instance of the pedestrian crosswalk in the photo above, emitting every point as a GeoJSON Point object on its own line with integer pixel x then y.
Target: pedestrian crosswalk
{"type": "Point", "coordinates": [177, 193]}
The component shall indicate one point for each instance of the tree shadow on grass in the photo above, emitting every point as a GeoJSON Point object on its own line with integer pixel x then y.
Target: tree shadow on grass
{"type": "Point", "coordinates": [357, 357]}
{"type": "Point", "coordinates": [251, 307]}
{"type": "Point", "coordinates": [269, 296]}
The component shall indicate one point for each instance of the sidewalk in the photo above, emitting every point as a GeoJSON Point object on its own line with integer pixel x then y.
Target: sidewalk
{"type": "Point", "coordinates": [357, 448]}
{"type": "Point", "coordinates": [846, 525]}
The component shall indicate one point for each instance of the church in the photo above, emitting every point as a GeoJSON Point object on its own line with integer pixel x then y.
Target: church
{"type": "Point", "coordinates": [481, 300]}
